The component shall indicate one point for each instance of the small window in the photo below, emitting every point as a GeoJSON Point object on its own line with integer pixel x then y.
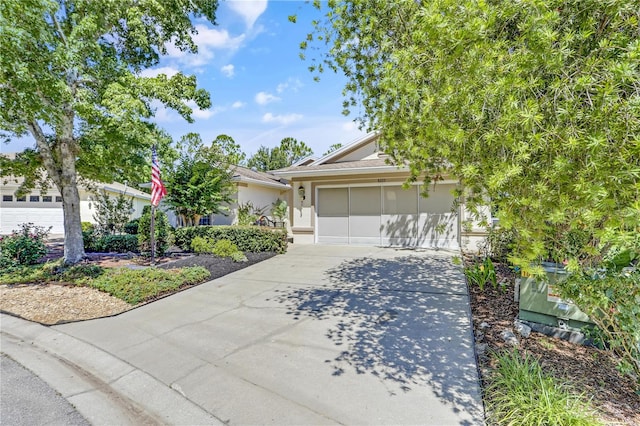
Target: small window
{"type": "Point", "coordinates": [58, 198]}
{"type": "Point", "coordinates": [47, 198]}
{"type": "Point", "coordinates": [7, 198]}
{"type": "Point", "coordinates": [205, 220]}
{"type": "Point", "coordinates": [34, 198]}
{"type": "Point", "coordinates": [23, 198]}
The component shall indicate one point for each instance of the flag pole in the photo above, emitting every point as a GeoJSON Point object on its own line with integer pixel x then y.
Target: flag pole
{"type": "Point", "coordinates": [153, 235]}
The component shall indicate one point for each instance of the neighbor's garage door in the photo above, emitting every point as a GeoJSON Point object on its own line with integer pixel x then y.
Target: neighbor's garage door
{"type": "Point", "coordinates": [387, 215]}
{"type": "Point", "coordinates": [12, 217]}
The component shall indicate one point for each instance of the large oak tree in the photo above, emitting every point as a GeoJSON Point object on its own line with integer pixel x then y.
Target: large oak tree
{"type": "Point", "coordinates": [70, 78]}
{"type": "Point", "coordinates": [535, 104]}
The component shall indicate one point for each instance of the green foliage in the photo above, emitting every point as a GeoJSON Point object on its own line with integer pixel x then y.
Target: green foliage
{"type": "Point", "coordinates": [71, 79]}
{"type": "Point", "coordinates": [87, 226]}
{"type": "Point", "coordinates": [280, 210]}
{"type": "Point", "coordinates": [24, 246]}
{"type": "Point", "coordinates": [333, 147]}
{"type": "Point", "coordinates": [252, 239]}
{"type": "Point", "coordinates": [201, 245]}
{"type": "Point", "coordinates": [288, 152]}
{"type": "Point", "coordinates": [224, 248]}
{"type": "Point", "coordinates": [136, 286]}
{"type": "Point", "coordinates": [55, 271]}
{"type": "Point", "coordinates": [499, 244]}
{"type": "Point", "coordinates": [520, 393]}
{"type": "Point", "coordinates": [248, 214]}
{"type": "Point", "coordinates": [239, 256]}
{"type": "Point", "coordinates": [199, 183]}
{"type": "Point", "coordinates": [481, 273]}
{"type": "Point", "coordinates": [122, 243]}
{"type": "Point", "coordinates": [533, 104]}
{"type": "Point", "coordinates": [612, 301]}
{"type": "Point", "coordinates": [223, 146]}
{"type": "Point", "coordinates": [131, 227]}
{"type": "Point", "coordinates": [111, 213]}
{"type": "Point", "coordinates": [161, 231]}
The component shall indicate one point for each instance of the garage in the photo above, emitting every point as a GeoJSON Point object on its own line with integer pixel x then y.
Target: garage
{"type": "Point", "coordinates": [12, 217]}
{"type": "Point", "coordinates": [386, 215]}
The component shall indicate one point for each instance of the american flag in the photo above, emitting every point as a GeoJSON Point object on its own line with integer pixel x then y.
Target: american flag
{"type": "Point", "coordinates": [157, 187]}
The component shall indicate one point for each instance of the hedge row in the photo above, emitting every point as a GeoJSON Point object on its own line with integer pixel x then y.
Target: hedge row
{"type": "Point", "coordinates": [110, 243]}
{"type": "Point", "coordinates": [251, 239]}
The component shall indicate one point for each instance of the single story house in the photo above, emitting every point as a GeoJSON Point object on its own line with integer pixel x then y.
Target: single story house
{"type": "Point", "coordinates": [354, 196]}
{"type": "Point", "coordinates": [45, 208]}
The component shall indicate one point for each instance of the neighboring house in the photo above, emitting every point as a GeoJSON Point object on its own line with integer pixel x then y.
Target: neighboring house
{"type": "Point", "coordinates": [45, 209]}
{"type": "Point", "coordinates": [353, 196]}
{"type": "Point", "coordinates": [258, 188]}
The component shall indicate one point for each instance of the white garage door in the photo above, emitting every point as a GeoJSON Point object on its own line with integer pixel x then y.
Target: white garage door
{"type": "Point", "coordinates": [12, 217]}
{"type": "Point", "coordinates": [387, 215]}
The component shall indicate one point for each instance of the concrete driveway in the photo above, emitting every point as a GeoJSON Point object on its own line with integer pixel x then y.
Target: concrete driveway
{"type": "Point", "coordinates": [321, 335]}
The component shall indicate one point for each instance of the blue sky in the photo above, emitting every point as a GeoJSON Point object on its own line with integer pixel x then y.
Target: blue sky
{"type": "Point", "coordinates": [261, 91]}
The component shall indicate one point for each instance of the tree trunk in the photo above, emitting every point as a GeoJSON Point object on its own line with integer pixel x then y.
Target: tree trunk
{"type": "Point", "coordinates": [73, 241]}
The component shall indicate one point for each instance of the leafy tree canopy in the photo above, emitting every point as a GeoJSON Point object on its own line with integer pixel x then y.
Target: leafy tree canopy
{"type": "Point", "coordinates": [535, 104]}
{"type": "Point", "coordinates": [288, 152]}
{"type": "Point", "coordinates": [69, 77]}
{"type": "Point", "coordinates": [199, 183]}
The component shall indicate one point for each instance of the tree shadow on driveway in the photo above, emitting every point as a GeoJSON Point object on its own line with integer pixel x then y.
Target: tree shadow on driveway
{"type": "Point", "coordinates": [405, 320]}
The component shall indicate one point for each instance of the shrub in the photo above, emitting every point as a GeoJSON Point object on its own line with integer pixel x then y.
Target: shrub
{"type": "Point", "coordinates": [612, 301]}
{"type": "Point", "coordinates": [499, 243]}
{"type": "Point", "coordinates": [24, 246]}
{"type": "Point", "coordinates": [116, 243]}
{"type": "Point", "coordinates": [239, 257]}
{"type": "Point", "coordinates": [225, 248]}
{"type": "Point", "coordinates": [520, 393]}
{"type": "Point", "coordinates": [248, 214]}
{"type": "Point", "coordinates": [135, 286]}
{"type": "Point", "coordinates": [202, 245]}
{"type": "Point", "coordinates": [161, 231]}
{"type": "Point", "coordinates": [251, 239]}
{"type": "Point", "coordinates": [87, 226]}
{"type": "Point", "coordinates": [131, 227]}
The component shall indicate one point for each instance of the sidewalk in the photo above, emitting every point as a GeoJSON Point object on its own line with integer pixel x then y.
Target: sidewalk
{"type": "Point", "coordinates": [104, 389]}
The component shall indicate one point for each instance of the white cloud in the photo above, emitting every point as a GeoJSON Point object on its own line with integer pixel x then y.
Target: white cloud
{"type": "Point", "coordinates": [249, 10]}
{"type": "Point", "coordinates": [154, 72]}
{"type": "Point", "coordinates": [292, 84]}
{"type": "Point", "coordinates": [281, 119]}
{"type": "Point", "coordinates": [162, 114]}
{"type": "Point", "coordinates": [203, 113]}
{"type": "Point", "coordinates": [237, 104]}
{"type": "Point", "coordinates": [208, 40]}
{"type": "Point", "coordinates": [350, 126]}
{"type": "Point", "coordinates": [263, 98]}
{"type": "Point", "coordinates": [228, 70]}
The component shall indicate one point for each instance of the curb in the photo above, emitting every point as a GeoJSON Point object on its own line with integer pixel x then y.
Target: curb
{"type": "Point", "coordinates": [103, 388]}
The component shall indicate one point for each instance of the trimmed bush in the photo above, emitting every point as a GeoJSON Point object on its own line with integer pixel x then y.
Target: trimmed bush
{"type": "Point", "coordinates": [116, 243]}
{"type": "Point", "coordinates": [225, 248]}
{"type": "Point", "coordinates": [131, 227]}
{"type": "Point", "coordinates": [253, 239]}
{"type": "Point", "coordinates": [239, 257]}
{"type": "Point", "coordinates": [161, 228]}
{"type": "Point", "coordinates": [201, 245]}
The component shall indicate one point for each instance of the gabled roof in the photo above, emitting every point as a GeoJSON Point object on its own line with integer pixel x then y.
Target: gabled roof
{"type": "Point", "coordinates": [344, 150]}
{"type": "Point", "coordinates": [305, 161]}
{"type": "Point", "coordinates": [243, 174]}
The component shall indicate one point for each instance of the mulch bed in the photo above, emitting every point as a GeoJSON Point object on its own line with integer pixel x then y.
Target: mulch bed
{"type": "Point", "coordinates": [587, 369]}
{"type": "Point", "coordinates": [217, 266]}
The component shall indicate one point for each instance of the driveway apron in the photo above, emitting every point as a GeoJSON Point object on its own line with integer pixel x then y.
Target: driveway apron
{"type": "Point", "coordinates": [320, 335]}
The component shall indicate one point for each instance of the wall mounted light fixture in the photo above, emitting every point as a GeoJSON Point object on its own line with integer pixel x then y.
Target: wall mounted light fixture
{"type": "Point", "coordinates": [301, 192]}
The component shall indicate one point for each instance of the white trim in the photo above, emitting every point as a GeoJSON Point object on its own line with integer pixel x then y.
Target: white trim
{"type": "Point", "coordinates": [343, 171]}
{"type": "Point", "coordinates": [283, 186]}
